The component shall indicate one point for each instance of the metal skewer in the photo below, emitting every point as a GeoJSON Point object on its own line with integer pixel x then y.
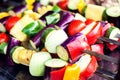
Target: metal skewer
{"type": "Point", "coordinates": [109, 40]}
{"type": "Point", "coordinates": [104, 57]}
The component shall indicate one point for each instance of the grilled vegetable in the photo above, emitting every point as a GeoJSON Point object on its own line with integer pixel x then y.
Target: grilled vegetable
{"type": "Point", "coordinates": [12, 43]}
{"type": "Point", "coordinates": [16, 31]}
{"type": "Point", "coordinates": [37, 63]}
{"type": "Point", "coordinates": [62, 53]}
{"type": "Point", "coordinates": [33, 28]}
{"type": "Point", "coordinates": [11, 22]}
{"type": "Point", "coordinates": [55, 38]}
{"type": "Point", "coordinates": [72, 72]}
{"type": "Point", "coordinates": [112, 33]}
{"type": "Point", "coordinates": [53, 63]}
{"type": "Point", "coordinates": [114, 15]}
{"type": "Point", "coordinates": [97, 12]}
{"type": "Point", "coordinates": [75, 50]}
{"type": "Point", "coordinates": [3, 47]}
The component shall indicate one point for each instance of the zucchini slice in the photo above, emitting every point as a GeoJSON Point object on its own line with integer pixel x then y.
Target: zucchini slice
{"type": "Point", "coordinates": [112, 33]}
{"type": "Point", "coordinates": [113, 11]}
{"type": "Point", "coordinates": [3, 47]}
{"type": "Point", "coordinates": [55, 63]}
{"type": "Point", "coordinates": [37, 63]}
{"type": "Point", "coordinates": [15, 52]}
{"type": "Point", "coordinates": [73, 4]}
{"type": "Point", "coordinates": [55, 38]}
{"type": "Point", "coordinates": [62, 53]}
{"type": "Point", "coordinates": [45, 33]}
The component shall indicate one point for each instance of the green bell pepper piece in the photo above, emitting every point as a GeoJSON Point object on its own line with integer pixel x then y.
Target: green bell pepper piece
{"type": "Point", "coordinates": [33, 28]}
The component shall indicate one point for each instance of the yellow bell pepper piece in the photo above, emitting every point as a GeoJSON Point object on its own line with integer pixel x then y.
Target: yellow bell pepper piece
{"type": "Point", "coordinates": [29, 2]}
{"type": "Point", "coordinates": [81, 5]}
{"type": "Point", "coordinates": [3, 14]}
{"type": "Point", "coordinates": [29, 6]}
{"type": "Point", "coordinates": [72, 72]}
{"type": "Point", "coordinates": [44, 9]}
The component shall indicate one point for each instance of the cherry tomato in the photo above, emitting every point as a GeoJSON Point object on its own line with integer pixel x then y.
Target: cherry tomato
{"type": "Point", "coordinates": [11, 22]}
{"type": "Point", "coordinates": [75, 27]}
{"type": "Point", "coordinates": [4, 37]}
{"type": "Point", "coordinates": [63, 4]}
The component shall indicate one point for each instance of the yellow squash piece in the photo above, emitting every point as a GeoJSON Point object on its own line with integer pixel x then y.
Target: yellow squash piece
{"type": "Point", "coordinates": [94, 12]}
{"type": "Point", "coordinates": [24, 56]}
{"type": "Point", "coordinates": [16, 31]}
{"type": "Point", "coordinates": [3, 14]}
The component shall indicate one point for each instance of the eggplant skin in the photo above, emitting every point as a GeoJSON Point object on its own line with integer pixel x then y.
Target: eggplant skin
{"type": "Point", "coordinates": [12, 43]}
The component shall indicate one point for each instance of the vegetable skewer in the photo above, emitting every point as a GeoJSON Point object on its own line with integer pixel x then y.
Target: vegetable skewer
{"type": "Point", "coordinates": [23, 57]}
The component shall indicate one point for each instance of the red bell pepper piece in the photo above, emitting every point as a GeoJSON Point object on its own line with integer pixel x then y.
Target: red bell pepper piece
{"type": "Point", "coordinates": [99, 48]}
{"type": "Point", "coordinates": [94, 34]}
{"type": "Point", "coordinates": [57, 74]}
{"type": "Point", "coordinates": [112, 47]}
{"type": "Point", "coordinates": [89, 21]}
{"type": "Point", "coordinates": [89, 71]}
{"type": "Point", "coordinates": [75, 26]}
{"type": "Point", "coordinates": [105, 28]}
{"type": "Point", "coordinates": [76, 47]}
{"type": "Point", "coordinates": [88, 28]}
{"type": "Point", "coordinates": [63, 4]}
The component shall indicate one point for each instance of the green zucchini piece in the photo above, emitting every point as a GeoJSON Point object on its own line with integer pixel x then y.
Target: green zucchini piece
{"type": "Point", "coordinates": [113, 11]}
{"type": "Point", "coordinates": [104, 16]}
{"type": "Point", "coordinates": [73, 4]}
{"type": "Point", "coordinates": [62, 53]}
{"type": "Point", "coordinates": [37, 63]}
{"type": "Point", "coordinates": [55, 63]}
{"type": "Point", "coordinates": [112, 33]}
{"type": "Point", "coordinates": [3, 47]}
{"type": "Point", "coordinates": [54, 39]}
{"type": "Point", "coordinates": [45, 33]}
